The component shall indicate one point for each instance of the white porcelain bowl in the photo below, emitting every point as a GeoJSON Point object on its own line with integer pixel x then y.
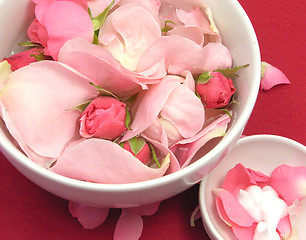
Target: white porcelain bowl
{"type": "Point", "coordinates": [259, 152]}
{"type": "Point", "coordinates": [239, 37]}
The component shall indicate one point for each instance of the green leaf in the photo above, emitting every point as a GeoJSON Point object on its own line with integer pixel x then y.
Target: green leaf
{"type": "Point", "coordinates": [103, 92]}
{"type": "Point", "coordinates": [231, 72]}
{"type": "Point", "coordinates": [100, 19]}
{"type": "Point", "coordinates": [204, 78]}
{"type": "Point", "coordinates": [95, 38]}
{"type": "Point", "coordinates": [154, 157]}
{"type": "Point", "coordinates": [167, 27]}
{"type": "Point", "coordinates": [136, 144]}
{"type": "Point", "coordinates": [81, 107]}
{"type": "Point", "coordinates": [127, 119]}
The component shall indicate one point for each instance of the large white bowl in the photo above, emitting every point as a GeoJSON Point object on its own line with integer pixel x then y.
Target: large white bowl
{"type": "Point", "coordinates": [259, 152]}
{"type": "Point", "coordinates": [239, 36]}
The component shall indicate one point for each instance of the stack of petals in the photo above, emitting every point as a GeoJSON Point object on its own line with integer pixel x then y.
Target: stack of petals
{"type": "Point", "coordinates": [112, 97]}
{"type": "Point", "coordinates": [257, 206]}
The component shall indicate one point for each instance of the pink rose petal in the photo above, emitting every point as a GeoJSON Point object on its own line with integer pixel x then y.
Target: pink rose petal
{"type": "Point", "coordinates": [89, 217]}
{"type": "Point", "coordinates": [97, 6]}
{"type": "Point", "coordinates": [58, 88]}
{"type": "Point", "coordinates": [271, 76]}
{"type": "Point", "coordinates": [184, 54]}
{"type": "Point", "coordinates": [244, 233]}
{"type": "Point", "coordinates": [102, 161]}
{"type": "Point", "coordinates": [233, 209]}
{"type": "Point", "coordinates": [100, 66]}
{"type": "Point", "coordinates": [186, 149]}
{"type": "Point", "coordinates": [66, 20]}
{"type": "Point", "coordinates": [145, 210]}
{"type": "Point", "coordinates": [284, 227]}
{"type": "Point", "coordinates": [289, 182]}
{"type": "Point", "coordinates": [182, 108]}
{"type": "Point", "coordinates": [129, 226]}
{"type": "Point", "coordinates": [126, 37]}
{"type": "Point", "coordinates": [157, 94]}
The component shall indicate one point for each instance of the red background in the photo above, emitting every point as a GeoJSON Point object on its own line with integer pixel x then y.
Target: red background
{"type": "Point", "coordinates": [29, 213]}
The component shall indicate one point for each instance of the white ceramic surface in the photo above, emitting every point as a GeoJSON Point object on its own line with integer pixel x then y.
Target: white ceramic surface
{"type": "Point", "coordinates": [259, 152]}
{"type": "Point", "coordinates": [239, 37]}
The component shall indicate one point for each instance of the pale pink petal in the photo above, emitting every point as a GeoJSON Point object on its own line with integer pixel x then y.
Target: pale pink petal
{"type": "Point", "coordinates": [88, 216]}
{"type": "Point", "coordinates": [184, 54]}
{"type": "Point", "coordinates": [102, 161]}
{"type": "Point", "coordinates": [100, 66]}
{"type": "Point", "coordinates": [145, 210]}
{"type": "Point", "coordinates": [189, 81]}
{"type": "Point", "coordinates": [194, 18]}
{"type": "Point", "coordinates": [289, 182]}
{"type": "Point", "coordinates": [244, 233]}
{"type": "Point", "coordinates": [182, 108]}
{"type": "Point", "coordinates": [233, 209]}
{"type": "Point", "coordinates": [186, 149]}
{"type": "Point", "coordinates": [191, 33]}
{"type": "Point", "coordinates": [156, 132]}
{"type": "Point", "coordinates": [66, 20]}
{"type": "Point", "coordinates": [97, 6]}
{"type": "Point", "coordinates": [129, 226]}
{"type": "Point", "coordinates": [271, 76]}
{"type": "Point", "coordinates": [174, 49]}
{"type": "Point", "coordinates": [297, 214]}
{"type": "Point", "coordinates": [39, 117]}
{"type": "Point", "coordinates": [154, 99]}
{"type": "Point", "coordinates": [130, 37]}
{"type": "Point", "coordinates": [152, 5]}
{"type": "Point", "coordinates": [161, 149]}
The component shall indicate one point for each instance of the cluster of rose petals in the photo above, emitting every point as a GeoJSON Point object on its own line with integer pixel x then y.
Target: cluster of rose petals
{"type": "Point", "coordinates": [257, 206]}
{"type": "Point", "coordinates": [149, 73]}
{"type": "Point", "coordinates": [271, 76]}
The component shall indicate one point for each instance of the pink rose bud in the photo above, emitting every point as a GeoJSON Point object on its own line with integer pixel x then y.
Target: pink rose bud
{"type": "Point", "coordinates": [103, 118]}
{"type": "Point", "coordinates": [139, 148]}
{"type": "Point", "coordinates": [24, 58]}
{"type": "Point", "coordinates": [215, 89]}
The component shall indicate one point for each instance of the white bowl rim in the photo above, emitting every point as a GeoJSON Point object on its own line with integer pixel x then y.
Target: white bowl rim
{"type": "Point", "coordinates": [9, 148]}
{"type": "Point", "coordinates": [209, 226]}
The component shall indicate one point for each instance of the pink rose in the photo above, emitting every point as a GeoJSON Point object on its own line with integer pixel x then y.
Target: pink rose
{"type": "Point", "coordinates": [24, 58]}
{"type": "Point", "coordinates": [217, 91]}
{"type": "Point", "coordinates": [58, 21]}
{"type": "Point", "coordinates": [139, 148]}
{"type": "Point", "coordinates": [104, 118]}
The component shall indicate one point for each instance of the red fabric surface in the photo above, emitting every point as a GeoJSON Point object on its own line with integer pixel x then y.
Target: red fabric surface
{"type": "Point", "coordinates": [28, 212]}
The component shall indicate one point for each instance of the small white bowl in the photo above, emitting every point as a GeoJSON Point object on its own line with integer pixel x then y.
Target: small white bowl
{"type": "Point", "coordinates": [239, 36]}
{"type": "Point", "coordinates": [259, 152]}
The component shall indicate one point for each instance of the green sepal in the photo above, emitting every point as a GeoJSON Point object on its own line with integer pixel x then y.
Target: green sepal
{"type": "Point", "coordinates": [40, 56]}
{"type": "Point", "coordinates": [204, 78]}
{"type": "Point", "coordinates": [100, 19]}
{"type": "Point", "coordinates": [226, 111]}
{"type": "Point", "coordinates": [102, 91]}
{"type": "Point", "coordinates": [154, 157]}
{"type": "Point", "coordinates": [127, 119]}
{"type": "Point", "coordinates": [231, 72]}
{"type": "Point", "coordinates": [167, 27]}
{"type": "Point", "coordinates": [95, 38]}
{"type": "Point", "coordinates": [81, 107]}
{"type": "Point", "coordinates": [136, 144]}
{"type": "Point", "coordinates": [30, 44]}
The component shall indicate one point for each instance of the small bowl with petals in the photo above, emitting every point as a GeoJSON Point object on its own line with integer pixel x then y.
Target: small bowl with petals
{"type": "Point", "coordinates": [261, 153]}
